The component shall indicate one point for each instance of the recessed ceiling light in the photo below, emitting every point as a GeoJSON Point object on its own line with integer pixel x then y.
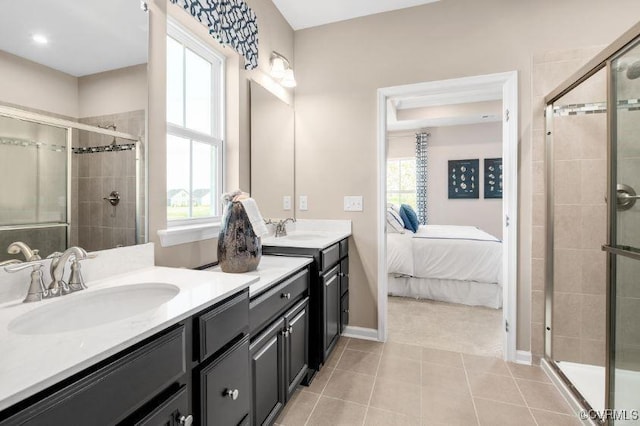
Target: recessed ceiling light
{"type": "Point", "coordinates": [39, 38]}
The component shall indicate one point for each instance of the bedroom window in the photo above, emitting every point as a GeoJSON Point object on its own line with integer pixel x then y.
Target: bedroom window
{"type": "Point", "coordinates": [401, 181]}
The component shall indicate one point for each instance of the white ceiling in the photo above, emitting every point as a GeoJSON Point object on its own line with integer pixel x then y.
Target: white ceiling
{"type": "Point", "coordinates": [85, 36]}
{"type": "Point", "coordinates": [309, 13]}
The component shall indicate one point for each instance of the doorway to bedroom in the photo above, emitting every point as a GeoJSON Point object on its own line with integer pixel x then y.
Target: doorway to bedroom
{"type": "Point", "coordinates": [448, 154]}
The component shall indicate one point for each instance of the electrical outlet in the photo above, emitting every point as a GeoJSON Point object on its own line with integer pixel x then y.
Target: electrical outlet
{"type": "Point", "coordinates": [286, 202]}
{"type": "Point", "coordinates": [353, 203]}
{"type": "Point", "coordinates": [303, 203]}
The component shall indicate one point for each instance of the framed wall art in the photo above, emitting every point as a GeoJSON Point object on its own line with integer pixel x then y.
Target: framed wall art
{"type": "Point", "coordinates": [463, 178]}
{"type": "Point", "coordinates": [493, 178]}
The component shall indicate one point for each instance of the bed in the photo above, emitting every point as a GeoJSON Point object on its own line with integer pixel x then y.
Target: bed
{"type": "Point", "coordinates": [457, 264]}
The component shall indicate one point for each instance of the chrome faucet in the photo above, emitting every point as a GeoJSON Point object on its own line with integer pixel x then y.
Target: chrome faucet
{"type": "Point", "coordinates": [58, 286]}
{"type": "Point", "coordinates": [281, 226]}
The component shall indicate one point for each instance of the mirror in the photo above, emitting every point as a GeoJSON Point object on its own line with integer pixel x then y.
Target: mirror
{"type": "Point", "coordinates": [73, 100]}
{"type": "Point", "coordinates": [272, 153]}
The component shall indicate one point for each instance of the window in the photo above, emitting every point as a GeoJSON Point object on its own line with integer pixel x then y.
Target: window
{"type": "Point", "coordinates": [401, 181]}
{"type": "Point", "coordinates": [195, 117]}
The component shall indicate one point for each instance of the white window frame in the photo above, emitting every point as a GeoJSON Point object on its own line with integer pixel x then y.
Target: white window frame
{"type": "Point", "coordinates": [400, 159]}
{"type": "Point", "coordinates": [217, 136]}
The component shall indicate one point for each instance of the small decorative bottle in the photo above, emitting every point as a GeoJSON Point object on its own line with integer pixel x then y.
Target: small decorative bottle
{"type": "Point", "coordinates": [239, 248]}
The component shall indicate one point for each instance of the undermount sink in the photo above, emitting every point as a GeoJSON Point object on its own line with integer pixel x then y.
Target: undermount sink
{"type": "Point", "coordinates": [303, 237]}
{"type": "Point", "coordinates": [85, 310]}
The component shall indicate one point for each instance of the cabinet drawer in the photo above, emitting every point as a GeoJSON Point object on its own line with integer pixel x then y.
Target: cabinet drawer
{"type": "Point", "coordinates": [223, 324]}
{"type": "Point", "coordinates": [344, 248]}
{"type": "Point", "coordinates": [329, 257]}
{"type": "Point", "coordinates": [225, 388]}
{"type": "Point", "coordinates": [274, 301]}
{"type": "Point", "coordinates": [113, 392]}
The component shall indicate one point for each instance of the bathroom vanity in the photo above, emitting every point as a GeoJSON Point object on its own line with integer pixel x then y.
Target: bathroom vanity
{"type": "Point", "coordinates": [328, 248]}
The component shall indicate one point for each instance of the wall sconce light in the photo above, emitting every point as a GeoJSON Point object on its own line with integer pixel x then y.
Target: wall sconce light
{"type": "Point", "coordinates": [281, 70]}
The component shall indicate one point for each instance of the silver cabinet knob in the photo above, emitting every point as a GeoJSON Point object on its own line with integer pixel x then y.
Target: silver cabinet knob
{"type": "Point", "coordinates": [186, 421]}
{"type": "Point", "coordinates": [233, 394]}
{"type": "Point", "coordinates": [286, 295]}
{"type": "Point", "coordinates": [290, 329]}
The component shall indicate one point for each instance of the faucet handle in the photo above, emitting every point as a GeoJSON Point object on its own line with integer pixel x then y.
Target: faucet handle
{"type": "Point", "coordinates": [17, 265]}
{"type": "Point", "coordinates": [76, 282]}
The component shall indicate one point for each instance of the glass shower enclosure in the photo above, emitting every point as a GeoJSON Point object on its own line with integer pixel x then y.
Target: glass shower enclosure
{"type": "Point", "coordinates": [592, 283]}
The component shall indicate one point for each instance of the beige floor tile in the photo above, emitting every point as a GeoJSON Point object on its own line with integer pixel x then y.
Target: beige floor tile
{"type": "Point", "coordinates": [332, 412]}
{"type": "Point", "coordinates": [439, 356]}
{"type": "Point", "coordinates": [334, 357]}
{"type": "Point", "coordinates": [494, 413]}
{"type": "Point", "coordinates": [396, 396]}
{"type": "Point", "coordinates": [495, 387]}
{"type": "Point", "coordinates": [440, 377]}
{"type": "Point", "coordinates": [401, 369]}
{"type": "Point", "coordinates": [402, 350]}
{"type": "Point", "coordinates": [528, 372]}
{"type": "Point", "coordinates": [544, 396]}
{"type": "Point", "coordinates": [320, 380]}
{"type": "Point", "coordinates": [350, 386]}
{"type": "Point", "coordinates": [485, 364]}
{"type": "Point", "coordinates": [378, 417]}
{"type": "Point", "coordinates": [365, 345]}
{"type": "Point", "coordinates": [546, 418]}
{"type": "Point", "coordinates": [360, 362]}
{"type": "Point", "coordinates": [449, 408]}
{"type": "Point", "coordinates": [298, 409]}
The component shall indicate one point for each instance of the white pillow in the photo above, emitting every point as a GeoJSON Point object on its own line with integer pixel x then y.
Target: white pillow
{"type": "Point", "coordinates": [394, 222]}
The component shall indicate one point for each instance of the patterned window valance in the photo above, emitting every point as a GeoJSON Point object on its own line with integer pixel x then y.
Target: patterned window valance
{"type": "Point", "coordinates": [230, 22]}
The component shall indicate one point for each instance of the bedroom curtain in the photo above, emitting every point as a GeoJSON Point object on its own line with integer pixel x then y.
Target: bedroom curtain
{"type": "Point", "coordinates": [421, 176]}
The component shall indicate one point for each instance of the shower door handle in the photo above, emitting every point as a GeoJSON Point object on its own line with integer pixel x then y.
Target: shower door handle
{"type": "Point", "coordinates": [625, 197]}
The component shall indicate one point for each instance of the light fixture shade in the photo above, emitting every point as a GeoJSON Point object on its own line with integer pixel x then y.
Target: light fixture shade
{"type": "Point", "coordinates": [278, 67]}
{"type": "Point", "coordinates": [288, 80]}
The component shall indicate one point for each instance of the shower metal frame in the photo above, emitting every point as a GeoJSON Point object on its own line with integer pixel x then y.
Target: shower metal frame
{"type": "Point", "coordinates": [602, 60]}
{"type": "Point", "coordinates": [70, 126]}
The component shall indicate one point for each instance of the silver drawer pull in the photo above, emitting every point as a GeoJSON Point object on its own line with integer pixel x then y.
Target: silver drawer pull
{"type": "Point", "coordinates": [286, 296]}
{"type": "Point", "coordinates": [186, 421]}
{"type": "Point", "coordinates": [233, 394]}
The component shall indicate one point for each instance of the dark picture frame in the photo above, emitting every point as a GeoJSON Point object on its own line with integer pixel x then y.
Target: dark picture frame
{"type": "Point", "coordinates": [463, 179]}
{"type": "Point", "coordinates": [493, 178]}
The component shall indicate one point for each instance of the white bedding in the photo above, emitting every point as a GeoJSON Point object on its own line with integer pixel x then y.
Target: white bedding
{"type": "Point", "coordinates": [463, 253]}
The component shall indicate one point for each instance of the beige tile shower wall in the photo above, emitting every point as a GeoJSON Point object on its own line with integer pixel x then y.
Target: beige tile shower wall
{"type": "Point", "coordinates": [95, 175]}
{"type": "Point", "coordinates": [580, 222]}
{"type": "Point", "coordinates": [340, 66]}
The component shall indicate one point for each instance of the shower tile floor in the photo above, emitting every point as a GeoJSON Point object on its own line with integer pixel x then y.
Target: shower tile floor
{"type": "Point", "coordinates": [441, 365]}
{"type": "Point", "coordinates": [372, 383]}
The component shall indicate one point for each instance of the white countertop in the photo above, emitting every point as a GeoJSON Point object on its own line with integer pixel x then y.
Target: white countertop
{"type": "Point", "coordinates": [311, 233]}
{"type": "Point", "coordinates": [31, 363]}
{"type": "Point", "coordinates": [271, 270]}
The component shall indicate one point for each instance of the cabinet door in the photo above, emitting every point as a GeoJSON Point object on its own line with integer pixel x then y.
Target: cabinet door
{"type": "Point", "coordinates": [296, 346]}
{"type": "Point", "coordinates": [344, 312]}
{"type": "Point", "coordinates": [172, 412]}
{"type": "Point", "coordinates": [267, 373]}
{"type": "Point", "coordinates": [225, 388]}
{"type": "Point", "coordinates": [344, 275]}
{"type": "Point", "coordinates": [331, 290]}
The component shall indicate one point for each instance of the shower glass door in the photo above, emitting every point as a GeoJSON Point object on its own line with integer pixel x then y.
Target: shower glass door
{"type": "Point", "coordinates": [624, 358]}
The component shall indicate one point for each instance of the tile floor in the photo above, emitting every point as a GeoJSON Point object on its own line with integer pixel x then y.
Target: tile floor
{"type": "Point", "coordinates": [469, 329]}
{"type": "Point", "coordinates": [372, 383]}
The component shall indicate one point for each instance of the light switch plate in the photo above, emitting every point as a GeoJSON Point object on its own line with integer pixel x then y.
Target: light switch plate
{"type": "Point", "coordinates": [286, 202]}
{"type": "Point", "coordinates": [303, 202]}
{"type": "Point", "coordinates": [353, 203]}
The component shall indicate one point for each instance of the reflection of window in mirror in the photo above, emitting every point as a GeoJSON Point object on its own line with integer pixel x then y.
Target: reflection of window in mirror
{"type": "Point", "coordinates": [401, 181]}
{"type": "Point", "coordinates": [195, 113]}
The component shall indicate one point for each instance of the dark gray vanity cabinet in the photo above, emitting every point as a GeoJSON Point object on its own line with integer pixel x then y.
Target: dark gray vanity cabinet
{"type": "Point", "coordinates": [328, 297]}
{"type": "Point", "coordinates": [194, 372]}
{"type": "Point", "coordinates": [279, 320]}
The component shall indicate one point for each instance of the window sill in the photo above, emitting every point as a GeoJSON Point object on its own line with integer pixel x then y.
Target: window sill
{"type": "Point", "coordinates": [188, 234]}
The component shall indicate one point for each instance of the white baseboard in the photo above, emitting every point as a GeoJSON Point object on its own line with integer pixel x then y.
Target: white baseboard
{"type": "Point", "coordinates": [360, 333]}
{"type": "Point", "coordinates": [523, 357]}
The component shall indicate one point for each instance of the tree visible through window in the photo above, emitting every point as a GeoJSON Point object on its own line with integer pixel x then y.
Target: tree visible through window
{"type": "Point", "coordinates": [194, 129]}
{"type": "Point", "coordinates": [401, 181]}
